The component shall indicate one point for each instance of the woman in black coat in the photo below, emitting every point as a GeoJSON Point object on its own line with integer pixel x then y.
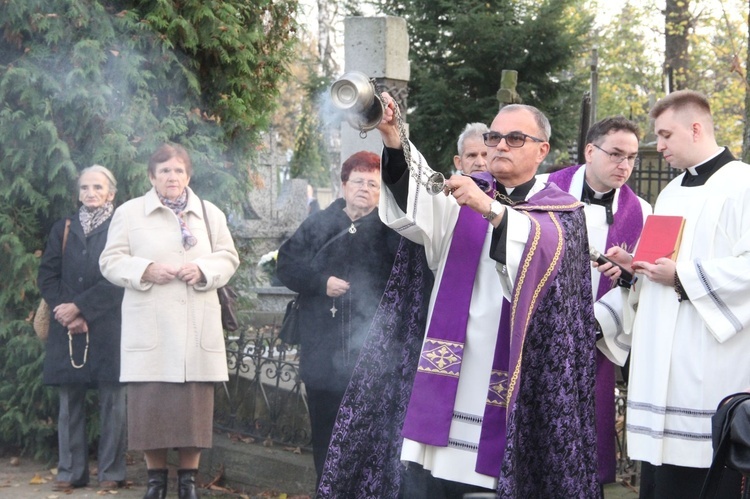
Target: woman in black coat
{"type": "Point", "coordinates": [83, 347]}
{"type": "Point", "coordinates": [339, 261]}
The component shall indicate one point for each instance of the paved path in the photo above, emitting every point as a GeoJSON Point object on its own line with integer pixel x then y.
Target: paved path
{"type": "Point", "coordinates": [28, 479]}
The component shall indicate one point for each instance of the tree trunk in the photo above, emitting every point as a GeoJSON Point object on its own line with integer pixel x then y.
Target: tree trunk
{"type": "Point", "coordinates": [746, 132]}
{"type": "Point", "coordinates": [677, 25]}
{"type": "Point", "coordinates": [325, 44]}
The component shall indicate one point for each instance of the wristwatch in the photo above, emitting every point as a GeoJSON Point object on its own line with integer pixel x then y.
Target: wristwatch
{"type": "Point", "coordinates": [495, 209]}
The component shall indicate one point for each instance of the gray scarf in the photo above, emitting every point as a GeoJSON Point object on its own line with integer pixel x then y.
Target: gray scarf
{"type": "Point", "coordinates": [91, 218]}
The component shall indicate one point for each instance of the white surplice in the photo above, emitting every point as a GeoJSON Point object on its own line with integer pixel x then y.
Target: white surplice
{"type": "Point", "coordinates": [615, 344]}
{"type": "Point", "coordinates": [430, 221]}
{"type": "Point", "coordinates": [686, 356]}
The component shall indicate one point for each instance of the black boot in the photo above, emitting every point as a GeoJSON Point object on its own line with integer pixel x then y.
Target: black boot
{"type": "Point", "coordinates": [186, 484]}
{"type": "Point", "coordinates": [157, 484]}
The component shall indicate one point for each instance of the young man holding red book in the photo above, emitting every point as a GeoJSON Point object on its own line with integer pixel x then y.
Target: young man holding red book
{"type": "Point", "coordinates": [690, 338]}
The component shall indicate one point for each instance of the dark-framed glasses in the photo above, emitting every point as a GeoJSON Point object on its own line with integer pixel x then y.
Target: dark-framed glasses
{"type": "Point", "coordinates": [513, 139]}
{"type": "Point", "coordinates": [617, 158]}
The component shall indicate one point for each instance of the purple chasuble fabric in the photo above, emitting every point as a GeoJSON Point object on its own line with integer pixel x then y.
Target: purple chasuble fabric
{"type": "Point", "coordinates": [625, 230]}
{"type": "Point", "coordinates": [364, 455]}
{"type": "Point", "coordinates": [430, 412]}
{"type": "Point", "coordinates": [550, 448]}
{"type": "Point", "coordinates": [551, 437]}
{"type": "Point", "coordinates": [539, 266]}
{"type": "Point", "coordinates": [536, 272]}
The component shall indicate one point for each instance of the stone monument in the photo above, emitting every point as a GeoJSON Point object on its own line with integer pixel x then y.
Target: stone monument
{"type": "Point", "coordinates": [379, 48]}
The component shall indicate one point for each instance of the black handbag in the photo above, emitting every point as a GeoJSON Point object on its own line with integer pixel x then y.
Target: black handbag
{"type": "Point", "coordinates": [730, 434]}
{"type": "Point", "coordinates": [227, 295]}
{"type": "Point", "coordinates": [290, 330]}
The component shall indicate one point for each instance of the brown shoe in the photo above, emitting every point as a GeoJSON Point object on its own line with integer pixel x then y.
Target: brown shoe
{"type": "Point", "coordinates": [110, 485]}
{"type": "Point", "coordinates": [62, 486]}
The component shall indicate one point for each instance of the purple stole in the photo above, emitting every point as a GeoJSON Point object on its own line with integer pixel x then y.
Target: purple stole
{"type": "Point", "coordinates": [440, 361]}
{"type": "Point", "coordinates": [625, 230]}
{"type": "Point", "coordinates": [539, 266]}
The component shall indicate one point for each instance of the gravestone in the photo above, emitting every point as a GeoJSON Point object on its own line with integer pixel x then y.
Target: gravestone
{"type": "Point", "coordinates": [379, 48]}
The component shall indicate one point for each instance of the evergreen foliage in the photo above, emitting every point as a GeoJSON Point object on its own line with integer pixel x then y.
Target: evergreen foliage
{"type": "Point", "coordinates": [85, 82]}
{"type": "Point", "coordinates": [311, 159]}
{"type": "Point", "coordinates": [459, 49]}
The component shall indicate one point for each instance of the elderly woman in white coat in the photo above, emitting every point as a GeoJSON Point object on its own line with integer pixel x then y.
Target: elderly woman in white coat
{"type": "Point", "coordinates": [159, 250]}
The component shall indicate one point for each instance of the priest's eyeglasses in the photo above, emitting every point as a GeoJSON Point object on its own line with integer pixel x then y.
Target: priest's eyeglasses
{"type": "Point", "coordinates": [513, 139]}
{"type": "Point", "coordinates": [617, 158]}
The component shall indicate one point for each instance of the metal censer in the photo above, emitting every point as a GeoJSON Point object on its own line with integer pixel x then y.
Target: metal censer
{"type": "Point", "coordinates": [355, 95]}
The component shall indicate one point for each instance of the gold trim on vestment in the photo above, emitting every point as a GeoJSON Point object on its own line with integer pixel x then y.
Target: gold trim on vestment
{"type": "Point", "coordinates": [444, 358]}
{"type": "Point", "coordinates": [499, 388]}
{"type": "Point", "coordinates": [539, 287]}
{"type": "Point", "coordinates": [549, 207]}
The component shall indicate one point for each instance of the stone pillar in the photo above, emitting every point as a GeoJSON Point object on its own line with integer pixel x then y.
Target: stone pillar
{"type": "Point", "coordinates": [507, 93]}
{"type": "Point", "coordinates": [379, 48]}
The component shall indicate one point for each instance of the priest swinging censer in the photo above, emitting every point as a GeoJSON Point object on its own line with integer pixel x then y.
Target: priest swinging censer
{"type": "Point", "coordinates": [356, 96]}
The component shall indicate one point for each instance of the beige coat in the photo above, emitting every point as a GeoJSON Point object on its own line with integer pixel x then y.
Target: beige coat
{"type": "Point", "coordinates": [170, 332]}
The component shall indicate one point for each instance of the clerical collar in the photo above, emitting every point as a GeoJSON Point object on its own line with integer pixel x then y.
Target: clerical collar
{"type": "Point", "coordinates": [514, 195]}
{"type": "Point", "coordinates": [590, 196]}
{"type": "Point", "coordinates": [699, 174]}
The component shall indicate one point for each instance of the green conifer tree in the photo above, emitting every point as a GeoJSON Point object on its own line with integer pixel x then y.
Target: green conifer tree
{"type": "Point", "coordinates": [459, 49]}
{"type": "Point", "coordinates": [311, 158]}
{"type": "Point", "coordinates": [85, 82]}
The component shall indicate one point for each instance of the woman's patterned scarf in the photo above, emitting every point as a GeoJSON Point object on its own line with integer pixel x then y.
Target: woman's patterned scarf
{"type": "Point", "coordinates": [91, 218]}
{"type": "Point", "coordinates": [178, 207]}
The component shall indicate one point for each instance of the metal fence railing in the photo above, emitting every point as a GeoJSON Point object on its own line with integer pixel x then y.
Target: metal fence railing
{"type": "Point", "coordinates": [264, 398]}
{"type": "Point", "coordinates": [628, 471]}
{"type": "Point", "coordinates": [652, 175]}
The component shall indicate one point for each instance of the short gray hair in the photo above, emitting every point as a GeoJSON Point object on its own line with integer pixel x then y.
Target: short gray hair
{"type": "Point", "coordinates": [104, 171]}
{"type": "Point", "coordinates": [541, 120]}
{"type": "Point", "coordinates": [471, 130]}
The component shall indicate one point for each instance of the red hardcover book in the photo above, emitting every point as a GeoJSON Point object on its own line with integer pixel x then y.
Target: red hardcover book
{"type": "Point", "coordinates": [660, 238]}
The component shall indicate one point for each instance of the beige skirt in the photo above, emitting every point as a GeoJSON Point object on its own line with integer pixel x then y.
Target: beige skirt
{"type": "Point", "coordinates": [168, 415]}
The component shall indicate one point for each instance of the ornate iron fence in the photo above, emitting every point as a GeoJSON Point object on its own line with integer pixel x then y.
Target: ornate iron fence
{"type": "Point", "coordinates": [628, 471]}
{"type": "Point", "coordinates": [652, 175]}
{"type": "Point", "coordinates": [264, 397]}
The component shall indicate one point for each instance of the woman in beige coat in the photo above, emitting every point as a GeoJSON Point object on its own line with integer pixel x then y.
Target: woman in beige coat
{"type": "Point", "coordinates": [158, 249]}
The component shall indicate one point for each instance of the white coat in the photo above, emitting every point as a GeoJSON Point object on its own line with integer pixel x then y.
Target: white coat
{"type": "Point", "coordinates": [170, 332]}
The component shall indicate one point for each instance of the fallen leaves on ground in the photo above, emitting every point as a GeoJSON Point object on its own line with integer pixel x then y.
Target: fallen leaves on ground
{"type": "Point", "coordinates": [37, 480]}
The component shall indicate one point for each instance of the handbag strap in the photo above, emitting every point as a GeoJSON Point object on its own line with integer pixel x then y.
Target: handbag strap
{"type": "Point", "coordinates": [334, 238]}
{"type": "Point", "coordinates": [715, 472]}
{"type": "Point", "coordinates": [65, 234]}
{"type": "Point", "coordinates": [297, 298]}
